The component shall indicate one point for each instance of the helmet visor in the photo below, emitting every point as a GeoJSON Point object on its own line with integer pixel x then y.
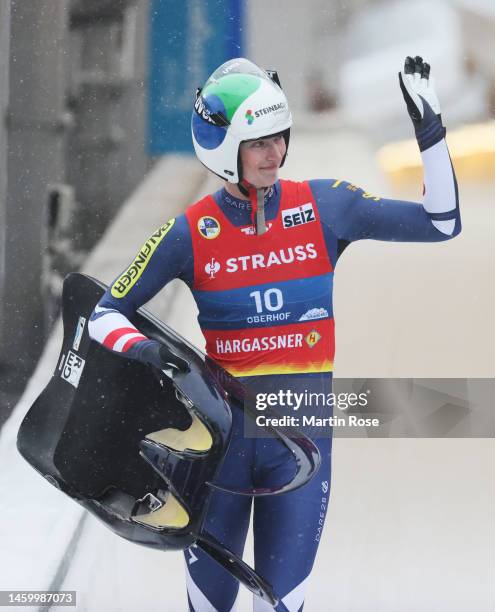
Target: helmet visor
{"type": "Point", "coordinates": [237, 66]}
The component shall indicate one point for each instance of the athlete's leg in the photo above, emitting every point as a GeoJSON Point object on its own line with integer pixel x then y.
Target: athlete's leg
{"type": "Point", "coordinates": [288, 527]}
{"type": "Point", "coordinates": [211, 588]}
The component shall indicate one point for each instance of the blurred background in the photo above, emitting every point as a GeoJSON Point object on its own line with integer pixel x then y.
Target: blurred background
{"type": "Point", "coordinates": [95, 151]}
{"type": "Point", "coordinates": [92, 92]}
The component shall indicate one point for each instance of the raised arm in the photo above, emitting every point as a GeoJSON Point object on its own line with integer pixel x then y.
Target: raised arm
{"type": "Point", "coordinates": [353, 214]}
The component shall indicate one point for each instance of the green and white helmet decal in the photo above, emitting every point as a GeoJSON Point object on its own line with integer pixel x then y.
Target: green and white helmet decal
{"type": "Point", "coordinates": [238, 102]}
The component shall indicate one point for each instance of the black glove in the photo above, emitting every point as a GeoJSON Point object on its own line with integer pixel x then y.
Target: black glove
{"type": "Point", "coordinates": [422, 102]}
{"type": "Point", "coordinates": [160, 356]}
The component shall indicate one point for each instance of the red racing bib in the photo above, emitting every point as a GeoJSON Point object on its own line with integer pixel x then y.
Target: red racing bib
{"type": "Point", "coordinates": [264, 301]}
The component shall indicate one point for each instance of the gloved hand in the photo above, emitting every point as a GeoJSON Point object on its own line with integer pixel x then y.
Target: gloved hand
{"type": "Point", "coordinates": [422, 102]}
{"type": "Point", "coordinates": [158, 355]}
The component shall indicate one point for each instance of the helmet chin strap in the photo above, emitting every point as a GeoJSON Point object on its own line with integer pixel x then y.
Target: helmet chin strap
{"type": "Point", "coordinates": [256, 196]}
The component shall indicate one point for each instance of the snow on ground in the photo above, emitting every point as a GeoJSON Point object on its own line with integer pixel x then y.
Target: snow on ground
{"type": "Point", "coordinates": [410, 526]}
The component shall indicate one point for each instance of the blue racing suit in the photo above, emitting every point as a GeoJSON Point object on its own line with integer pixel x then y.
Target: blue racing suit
{"type": "Point", "coordinates": [265, 308]}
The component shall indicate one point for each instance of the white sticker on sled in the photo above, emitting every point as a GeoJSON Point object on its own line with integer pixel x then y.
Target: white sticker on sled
{"type": "Point", "coordinates": [73, 368]}
{"type": "Point", "coordinates": [79, 332]}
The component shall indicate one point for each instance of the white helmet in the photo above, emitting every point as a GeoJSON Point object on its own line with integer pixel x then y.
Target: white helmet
{"type": "Point", "coordinates": [238, 102]}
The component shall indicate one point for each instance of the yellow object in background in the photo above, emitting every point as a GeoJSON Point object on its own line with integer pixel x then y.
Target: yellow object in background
{"type": "Point", "coordinates": [471, 147]}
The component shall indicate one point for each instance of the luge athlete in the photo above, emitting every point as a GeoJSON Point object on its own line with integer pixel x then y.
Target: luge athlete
{"type": "Point", "coordinates": [259, 257]}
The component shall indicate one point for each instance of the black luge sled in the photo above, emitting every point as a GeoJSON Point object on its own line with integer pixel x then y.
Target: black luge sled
{"type": "Point", "coordinates": [140, 448]}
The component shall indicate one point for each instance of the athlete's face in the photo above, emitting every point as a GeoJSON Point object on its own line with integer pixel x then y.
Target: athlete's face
{"type": "Point", "coordinates": [261, 160]}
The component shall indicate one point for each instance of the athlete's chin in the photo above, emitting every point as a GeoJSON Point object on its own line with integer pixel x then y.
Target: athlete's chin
{"type": "Point", "coordinates": [267, 178]}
